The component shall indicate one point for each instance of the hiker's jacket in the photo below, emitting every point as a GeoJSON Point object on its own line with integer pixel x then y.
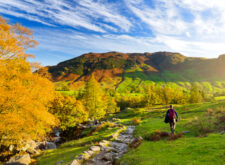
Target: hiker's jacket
{"type": "Point", "coordinates": [167, 116]}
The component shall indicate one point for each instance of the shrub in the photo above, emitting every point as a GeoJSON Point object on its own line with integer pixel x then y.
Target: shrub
{"type": "Point", "coordinates": [220, 121]}
{"type": "Point", "coordinates": [212, 120]}
{"type": "Point", "coordinates": [175, 136]}
{"type": "Point", "coordinates": [210, 111]}
{"type": "Point", "coordinates": [102, 126]}
{"type": "Point", "coordinates": [155, 137]}
{"type": "Point", "coordinates": [69, 111]}
{"type": "Point", "coordinates": [136, 121]}
{"type": "Point", "coordinates": [158, 135]}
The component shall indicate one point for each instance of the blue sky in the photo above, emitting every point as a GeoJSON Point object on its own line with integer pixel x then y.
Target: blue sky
{"type": "Point", "coordinates": [68, 28]}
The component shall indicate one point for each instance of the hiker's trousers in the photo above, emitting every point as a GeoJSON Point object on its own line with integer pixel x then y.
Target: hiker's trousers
{"type": "Point", "coordinates": [172, 125]}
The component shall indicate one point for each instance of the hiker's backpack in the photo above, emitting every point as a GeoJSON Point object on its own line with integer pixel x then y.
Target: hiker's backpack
{"type": "Point", "coordinates": [171, 114]}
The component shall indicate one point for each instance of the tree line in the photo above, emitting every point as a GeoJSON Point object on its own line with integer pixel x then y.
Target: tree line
{"type": "Point", "coordinates": [162, 94]}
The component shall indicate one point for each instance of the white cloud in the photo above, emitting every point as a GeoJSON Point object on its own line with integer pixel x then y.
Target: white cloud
{"type": "Point", "coordinates": [192, 48]}
{"type": "Point", "coordinates": [163, 18]}
{"type": "Point", "coordinates": [172, 30]}
{"type": "Point", "coordinates": [74, 43]}
{"type": "Point", "coordinates": [203, 35]}
{"type": "Point", "coordinates": [108, 12]}
{"type": "Point", "coordinates": [84, 15]}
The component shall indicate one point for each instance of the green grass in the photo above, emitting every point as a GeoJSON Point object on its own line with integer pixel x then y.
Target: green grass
{"type": "Point", "coordinates": [219, 98]}
{"type": "Point", "coordinates": [69, 150]}
{"type": "Point", "coordinates": [190, 149]}
{"type": "Point", "coordinates": [187, 150]}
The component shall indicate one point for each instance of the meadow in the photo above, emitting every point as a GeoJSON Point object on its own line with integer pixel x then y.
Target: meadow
{"type": "Point", "coordinates": [198, 146]}
{"type": "Point", "coordinates": [194, 147]}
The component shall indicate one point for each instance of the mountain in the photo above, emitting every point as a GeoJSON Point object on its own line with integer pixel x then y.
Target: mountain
{"type": "Point", "coordinates": [114, 67]}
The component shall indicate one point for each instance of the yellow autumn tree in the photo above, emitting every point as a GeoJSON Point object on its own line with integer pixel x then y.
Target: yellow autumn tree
{"type": "Point", "coordinates": [69, 111]}
{"type": "Point", "coordinates": [94, 99]}
{"type": "Point", "coordinates": [24, 95]}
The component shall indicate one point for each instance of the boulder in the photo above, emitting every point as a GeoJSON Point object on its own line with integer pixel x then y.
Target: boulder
{"type": "Point", "coordinates": [50, 145]}
{"type": "Point", "coordinates": [75, 162]}
{"type": "Point", "coordinates": [103, 143]}
{"type": "Point", "coordinates": [46, 145]}
{"type": "Point", "coordinates": [81, 157]}
{"type": "Point", "coordinates": [19, 160]}
{"type": "Point", "coordinates": [95, 148]}
{"type": "Point", "coordinates": [29, 145]}
{"type": "Point", "coordinates": [32, 151]}
{"type": "Point", "coordinates": [89, 153]}
{"type": "Point", "coordinates": [11, 148]}
{"type": "Point", "coordinates": [108, 156]}
{"type": "Point", "coordinates": [108, 149]}
{"type": "Point", "coordinates": [130, 130]}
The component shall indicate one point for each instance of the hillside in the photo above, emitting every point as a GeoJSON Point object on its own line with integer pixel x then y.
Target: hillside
{"type": "Point", "coordinates": [113, 67]}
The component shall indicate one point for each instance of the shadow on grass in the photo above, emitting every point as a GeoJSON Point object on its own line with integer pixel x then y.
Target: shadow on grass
{"type": "Point", "coordinates": [64, 155]}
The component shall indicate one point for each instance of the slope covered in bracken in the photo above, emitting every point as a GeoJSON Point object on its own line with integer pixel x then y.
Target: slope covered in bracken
{"type": "Point", "coordinates": [113, 67]}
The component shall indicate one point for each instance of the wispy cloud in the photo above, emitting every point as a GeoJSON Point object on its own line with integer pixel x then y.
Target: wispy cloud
{"type": "Point", "coordinates": [73, 27]}
{"type": "Point", "coordinates": [202, 35]}
{"type": "Point", "coordinates": [77, 14]}
{"type": "Point", "coordinates": [163, 18]}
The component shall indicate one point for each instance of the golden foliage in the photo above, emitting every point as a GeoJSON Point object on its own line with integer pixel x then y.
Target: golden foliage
{"type": "Point", "coordinates": [69, 111]}
{"type": "Point", "coordinates": [14, 40]}
{"type": "Point", "coordinates": [24, 96]}
{"type": "Point", "coordinates": [23, 103]}
{"type": "Point", "coordinates": [136, 121]}
{"type": "Point", "coordinates": [95, 99]}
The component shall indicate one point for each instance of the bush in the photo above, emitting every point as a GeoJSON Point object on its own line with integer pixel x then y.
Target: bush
{"type": "Point", "coordinates": [201, 126]}
{"type": "Point", "coordinates": [69, 111]}
{"type": "Point", "coordinates": [158, 135]}
{"type": "Point", "coordinates": [136, 121]}
{"type": "Point", "coordinates": [211, 121]}
{"type": "Point", "coordinates": [102, 126]}
{"type": "Point", "coordinates": [220, 121]}
{"type": "Point", "coordinates": [175, 136]}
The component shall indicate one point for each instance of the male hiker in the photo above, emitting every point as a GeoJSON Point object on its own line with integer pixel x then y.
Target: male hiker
{"type": "Point", "coordinates": [171, 118]}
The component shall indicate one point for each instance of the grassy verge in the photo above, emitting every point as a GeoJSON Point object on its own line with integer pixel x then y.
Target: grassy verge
{"type": "Point", "coordinates": [190, 149]}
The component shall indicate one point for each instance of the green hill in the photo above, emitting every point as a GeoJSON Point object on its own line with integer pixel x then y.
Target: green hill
{"type": "Point", "coordinates": [121, 70]}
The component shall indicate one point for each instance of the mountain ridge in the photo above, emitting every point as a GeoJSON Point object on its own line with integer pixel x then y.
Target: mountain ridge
{"type": "Point", "coordinates": [158, 66]}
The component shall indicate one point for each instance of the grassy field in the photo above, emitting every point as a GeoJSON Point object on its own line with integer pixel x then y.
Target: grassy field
{"type": "Point", "coordinates": [66, 152]}
{"type": "Point", "coordinates": [192, 148]}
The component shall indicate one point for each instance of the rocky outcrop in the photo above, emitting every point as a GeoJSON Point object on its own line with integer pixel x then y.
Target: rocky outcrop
{"type": "Point", "coordinates": [19, 160]}
{"type": "Point", "coordinates": [46, 145]}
